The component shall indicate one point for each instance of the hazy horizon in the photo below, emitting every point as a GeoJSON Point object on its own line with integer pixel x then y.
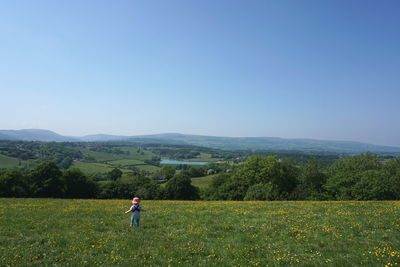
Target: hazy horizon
{"type": "Point", "coordinates": [290, 69]}
{"type": "Point", "coordinates": [194, 134]}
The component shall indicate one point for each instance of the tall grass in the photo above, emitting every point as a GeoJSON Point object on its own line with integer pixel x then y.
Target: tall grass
{"type": "Point", "coordinates": [96, 232]}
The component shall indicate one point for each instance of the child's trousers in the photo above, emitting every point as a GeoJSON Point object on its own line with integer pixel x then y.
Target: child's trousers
{"type": "Point", "coordinates": [133, 221]}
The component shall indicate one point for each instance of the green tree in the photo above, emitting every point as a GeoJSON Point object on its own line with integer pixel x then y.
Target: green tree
{"type": "Point", "coordinates": [78, 185]}
{"type": "Point", "coordinates": [46, 180]}
{"type": "Point", "coordinates": [115, 174]}
{"type": "Point", "coordinates": [268, 191]}
{"type": "Point", "coordinates": [346, 173]}
{"type": "Point", "coordinates": [264, 170]}
{"type": "Point", "coordinates": [196, 171]}
{"type": "Point", "coordinates": [391, 170]}
{"type": "Point", "coordinates": [168, 171]}
{"type": "Point", "coordinates": [180, 187]}
{"type": "Point", "coordinates": [13, 184]}
{"type": "Point", "coordinates": [109, 189]}
{"type": "Point", "coordinates": [216, 190]}
{"type": "Point", "coordinates": [145, 188]}
{"type": "Point", "coordinates": [66, 162]}
{"type": "Point", "coordinates": [381, 184]}
{"type": "Point", "coordinates": [311, 180]}
{"type": "Point", "coordinates": [132, 185]}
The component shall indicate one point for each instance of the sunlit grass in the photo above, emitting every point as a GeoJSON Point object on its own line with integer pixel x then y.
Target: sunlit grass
{"type": "Point", "coordinates": [92, 167]}
{"type": "Point", "coordinates": [203, 182]}
{"type": "Point", "coordinates": [97, 232]}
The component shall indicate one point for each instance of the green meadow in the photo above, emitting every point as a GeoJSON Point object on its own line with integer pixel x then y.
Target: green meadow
{"type": "Point", "coordinates": [203, 182]}
{"type": "Point", "coordinates": [104, 162]}
{"type": "Point", "coordinates": [124, 162]}
{"type": "Point", "coordinates": [37, 232]}
{"type": "Point", "coordinates": [92, 167]}
{"type": "Point", "coordinates": [8, 162]}
{"type": "Point", "coordinates": [102, 156]}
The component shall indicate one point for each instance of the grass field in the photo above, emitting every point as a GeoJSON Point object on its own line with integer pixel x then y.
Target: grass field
{"type": "Point", "coordinates": [92, 167]}
{"type": "Point", "coordinates": [124, 162]}
{"type": "Point", "coordinates": [102, 162]}
{"type": "Point", "coordinates": [143, 155]}
{"type": "Point", "coordinates": [149, 168]}
{"type": "Point", "coordinates": [134, 162]}
{"type": "Point", "coordinates": [96, 232]}
{"type": "Point", "coordinates": [110, 161]}
{"type": "Point", "coordinates": [102, 156]}
{"type": "Point", "coordinates": [203, 182]}
{"type": "Point", "coordinates": [9, 162]}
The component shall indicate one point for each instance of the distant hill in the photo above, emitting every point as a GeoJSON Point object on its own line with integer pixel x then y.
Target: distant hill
{"type": "Point", "coordinates": [34, 135]}
{"type": "Point", "coordinates": [268, 143]}
{"type": "Point", "coordinates": [227, 143]}
{"type": "Point", "coordinates": [102, 138]}
{"type": "Point", "coordinates": [4, 136]}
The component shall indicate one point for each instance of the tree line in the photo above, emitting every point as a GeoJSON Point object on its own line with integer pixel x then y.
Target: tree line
{"type": "Point", "coordinates": [361, 177]}
{"type": "Point", "coordinates": [49, 180]}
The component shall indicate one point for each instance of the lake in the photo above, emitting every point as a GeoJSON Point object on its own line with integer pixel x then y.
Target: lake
{"type": "Point", "coordinates": [180, 162]}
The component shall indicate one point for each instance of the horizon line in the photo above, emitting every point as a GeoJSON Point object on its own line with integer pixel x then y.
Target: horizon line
{"type": "Point", "coordinates": [205, 135]}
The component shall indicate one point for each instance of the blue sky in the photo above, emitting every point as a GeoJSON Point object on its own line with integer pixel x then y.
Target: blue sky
{"type": "Point", "coordinates": [293, 69]}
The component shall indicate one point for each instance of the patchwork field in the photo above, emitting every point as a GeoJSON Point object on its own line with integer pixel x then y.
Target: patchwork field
{"type": "Point", "coordinates": [96, 232]}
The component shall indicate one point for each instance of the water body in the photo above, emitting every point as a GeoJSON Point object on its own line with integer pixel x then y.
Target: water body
{"type": "Point", "coordinates": [180, 162]}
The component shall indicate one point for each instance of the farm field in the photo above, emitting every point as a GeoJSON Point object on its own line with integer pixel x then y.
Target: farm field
{"type": "Point", "coordinates": [92, 167]}
{"type": "Point", "coordinates": [8, 162]}
{"type": "Point", "coordinates": [196, 233]}
{"type": "Point", "coordinates": [105, 162]}
{"type": "Point", "coordinates": [203, 182]}
{"type": "Point", "coordinates": [99, 158]}
{"type": "Point", "coordinates": [124, 162]}
{"type": "Point", "coordinates": [102, 156]}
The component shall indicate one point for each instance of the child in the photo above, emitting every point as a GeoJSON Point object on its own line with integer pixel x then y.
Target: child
{"type": "Point", "coordinates": [135, 209]}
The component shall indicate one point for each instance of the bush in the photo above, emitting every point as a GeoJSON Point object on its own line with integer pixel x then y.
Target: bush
{"type": "Point", "coordinates": [45, 180]}
{"type": "Point", "coordinates": [78, 185]}
{"type": "Point", "coordinates": [262, 191]}
{"type": "Point", "coordinates": [13, 184]}
{"type": "Point", "coordinates": [139, 186]}
{"type": "Point", "coordinates": [180, 187]}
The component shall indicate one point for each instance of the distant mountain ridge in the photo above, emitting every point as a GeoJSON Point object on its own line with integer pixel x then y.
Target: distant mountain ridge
{"type": "Point", "coordinates": [103, 137]}
{"type": "Point", "coordinates": [267, 143]}
{"type": "Point", "coordinates": [35, 135]}
{"type": "Point", "coordinates": [228, 143]}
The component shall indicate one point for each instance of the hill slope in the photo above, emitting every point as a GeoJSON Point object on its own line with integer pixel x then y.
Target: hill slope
{"type": "Point", "coordinates": [268, 143]}
{"type": "Point", "coordinates": [226, 143]}
{"type": "Point", "coordinates": [34, 135]}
